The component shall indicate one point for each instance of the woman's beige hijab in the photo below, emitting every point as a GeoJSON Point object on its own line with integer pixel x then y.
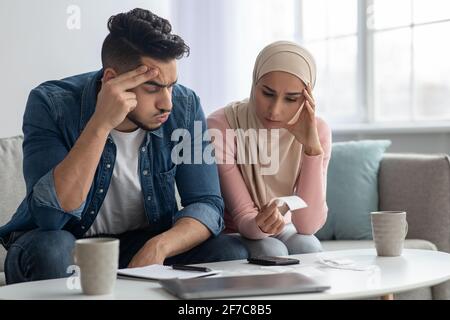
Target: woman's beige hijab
{"type": "Point", "coordinates": [279, 56]}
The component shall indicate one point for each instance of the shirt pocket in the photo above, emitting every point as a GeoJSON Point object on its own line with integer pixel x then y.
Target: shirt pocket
{"type": "Point", "coordinates": [167, 183]}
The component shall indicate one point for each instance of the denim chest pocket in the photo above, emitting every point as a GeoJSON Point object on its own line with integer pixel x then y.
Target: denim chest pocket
{"type": "Point", "coordinates": [167, 183]}
{"type": "Point", "coordinates": [163, 144]}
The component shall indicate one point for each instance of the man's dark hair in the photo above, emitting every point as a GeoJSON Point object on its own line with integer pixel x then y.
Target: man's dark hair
{"type": "Point", "coordinates": [139, 33]}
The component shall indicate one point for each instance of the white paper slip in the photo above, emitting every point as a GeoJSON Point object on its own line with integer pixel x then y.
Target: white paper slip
{"type": "Point", "coordinates": [293, 202]}
{"type": "Point", "coordinates": [344, 264]}
{"type": "Point", "coordinates": [160, 272]}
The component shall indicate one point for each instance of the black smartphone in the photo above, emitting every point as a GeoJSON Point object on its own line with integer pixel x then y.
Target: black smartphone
{"type": "Point", "coordinates": [273, 261]}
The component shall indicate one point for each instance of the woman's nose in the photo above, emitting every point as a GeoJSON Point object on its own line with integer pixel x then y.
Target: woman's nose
{"type": "Point", "coordinates": [275, 110]}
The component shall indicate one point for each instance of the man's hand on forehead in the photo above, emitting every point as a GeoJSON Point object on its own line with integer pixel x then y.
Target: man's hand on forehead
{"type": "Point", "coordinates": [115, 99]}
{"type": "Point", "coordinates": [134, 78]}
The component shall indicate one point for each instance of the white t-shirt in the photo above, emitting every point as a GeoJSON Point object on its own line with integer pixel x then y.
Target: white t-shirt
{"type": "Point", "coordinates": [123, 206]}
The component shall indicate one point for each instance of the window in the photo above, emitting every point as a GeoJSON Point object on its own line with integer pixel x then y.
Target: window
{"type": "Point", "coordinates": [329, 31]}
{"type": "Point", "coordinates": [380, 60]}
{"type": "Point", "coordinates": [411, 60]}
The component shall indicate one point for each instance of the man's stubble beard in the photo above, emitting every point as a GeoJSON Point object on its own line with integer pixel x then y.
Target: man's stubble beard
{"type": "Point", "coordinates": [132, 117]}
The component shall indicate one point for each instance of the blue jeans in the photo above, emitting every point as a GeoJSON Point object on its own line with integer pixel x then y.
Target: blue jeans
{"type": "Point", "coordinates": [39, 255]}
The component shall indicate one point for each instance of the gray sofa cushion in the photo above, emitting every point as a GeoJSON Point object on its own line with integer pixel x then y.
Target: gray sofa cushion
{"type": "Point", "coordinates": [12, 184]}
{"type": "Point", "coordinates": [420, 185]}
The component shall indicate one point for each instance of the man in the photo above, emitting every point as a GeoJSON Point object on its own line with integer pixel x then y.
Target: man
{"type": "Point", "coordinates": [97, 161]}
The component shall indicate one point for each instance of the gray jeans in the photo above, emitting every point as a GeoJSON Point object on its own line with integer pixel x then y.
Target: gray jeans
{"type": "Point", "coordinates": [287, 243]}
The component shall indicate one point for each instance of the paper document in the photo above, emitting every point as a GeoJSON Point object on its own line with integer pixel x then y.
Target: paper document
{"type": "Point", "coordinates": [345, 264]}
{"type": "Point", "coordinates": [293, 202]}
{"type": "Point", "coordinates": [160, 272]}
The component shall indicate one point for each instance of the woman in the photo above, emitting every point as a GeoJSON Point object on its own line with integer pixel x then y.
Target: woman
{"type": "Point", "coordinates": [281, 99]}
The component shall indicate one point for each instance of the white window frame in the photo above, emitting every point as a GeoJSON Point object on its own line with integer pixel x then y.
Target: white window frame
{"type": "Point", "coordinates": [365, 76]}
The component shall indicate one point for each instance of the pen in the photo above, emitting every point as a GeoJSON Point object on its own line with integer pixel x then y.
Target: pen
{"type": "Point", "coordinates": [190, 268]}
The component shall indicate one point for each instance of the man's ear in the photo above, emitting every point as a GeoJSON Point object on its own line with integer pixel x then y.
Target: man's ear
{"type": "Point", "coordinates": [108, 74]}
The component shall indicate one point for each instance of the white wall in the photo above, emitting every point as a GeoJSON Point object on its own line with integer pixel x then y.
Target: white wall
{"type": "Point", "coordinates": [38, 46]}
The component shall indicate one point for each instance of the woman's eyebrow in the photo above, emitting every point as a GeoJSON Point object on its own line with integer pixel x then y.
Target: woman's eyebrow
{"type": "Point", "coordinates": [268, 88]}
{"type": "Point", "coordinates": [288, 93]}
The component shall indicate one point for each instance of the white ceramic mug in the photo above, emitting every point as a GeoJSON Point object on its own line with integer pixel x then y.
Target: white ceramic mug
{"type": "Point", "coordinates": [389, 230]}
{"type": "Point", "coordinates": [98, 260]}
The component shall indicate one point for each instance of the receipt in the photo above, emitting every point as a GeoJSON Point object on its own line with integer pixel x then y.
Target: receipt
{"type": "Point", "coordinates": [293, 202]}
{"type": "Point", "coordinates": [344, 264]}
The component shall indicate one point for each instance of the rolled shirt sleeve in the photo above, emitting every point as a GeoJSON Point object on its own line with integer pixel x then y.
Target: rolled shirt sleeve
{"type": "Point", "coordinates": [204, 213]}
{"type": "Point", "coordinates": [45, 204]}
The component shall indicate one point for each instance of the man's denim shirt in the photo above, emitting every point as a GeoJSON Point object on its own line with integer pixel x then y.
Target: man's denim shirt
{"type": "Point", "coordinates": [56, 114]}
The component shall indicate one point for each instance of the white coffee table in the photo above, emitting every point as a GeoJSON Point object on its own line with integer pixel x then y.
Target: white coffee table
{"type": "Point", "coordinates": [414, 269]}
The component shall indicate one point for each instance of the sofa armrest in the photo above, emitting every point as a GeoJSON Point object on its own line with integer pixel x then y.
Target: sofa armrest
{"type": "Point", "coordinates": [419, 185]}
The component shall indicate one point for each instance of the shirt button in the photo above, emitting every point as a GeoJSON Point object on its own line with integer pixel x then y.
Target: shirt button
{"type": "Point", "coordinates": [108, 166]}
{"type": "Point", "coordinates": [92, 212]}
{"type": "Point", "coordinates": [149, 198]}
{"type": "Point", "coordinates": [83, 227]}
{"type": "Point", "coordinates": [145, 172]}
{"type": "Point", "coordinates": [100, 191]}
{"type": "Point", "coordinates": [143, 149]}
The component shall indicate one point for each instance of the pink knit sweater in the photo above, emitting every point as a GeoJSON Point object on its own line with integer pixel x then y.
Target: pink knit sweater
{"type": "Point", "coordinates": [240, 210]}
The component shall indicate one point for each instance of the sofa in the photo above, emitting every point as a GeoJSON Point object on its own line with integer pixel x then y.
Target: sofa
{"type": "Point", "coordinates": [419, 184]}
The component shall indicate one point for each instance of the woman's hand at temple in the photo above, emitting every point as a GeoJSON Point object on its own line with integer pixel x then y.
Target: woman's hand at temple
{"type": "Point", "coordinates": [305, 128]}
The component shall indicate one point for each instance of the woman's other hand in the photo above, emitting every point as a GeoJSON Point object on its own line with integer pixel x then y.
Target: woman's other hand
{"type": "Point", "coordinates": [270, 220]}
